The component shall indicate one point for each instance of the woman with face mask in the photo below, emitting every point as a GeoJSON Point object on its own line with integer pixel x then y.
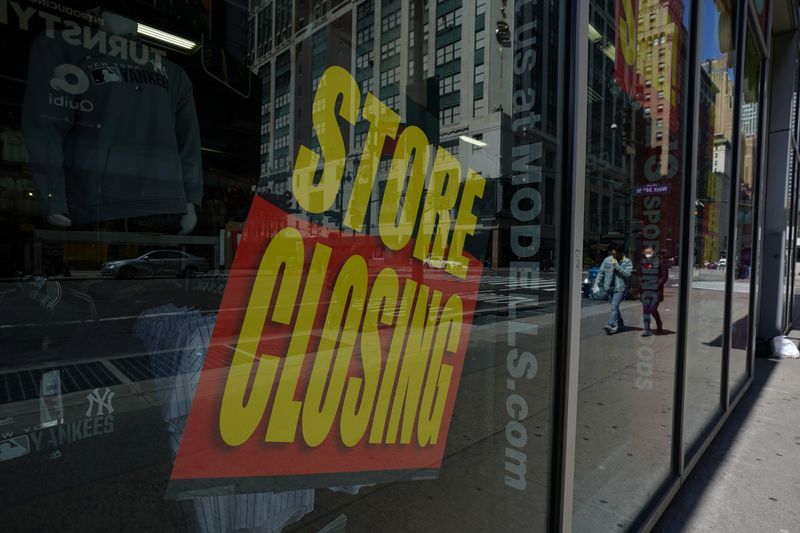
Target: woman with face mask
{"type": "Point", "coordinates": [652, 292]}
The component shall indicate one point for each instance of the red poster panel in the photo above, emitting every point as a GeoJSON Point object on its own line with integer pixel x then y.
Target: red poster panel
{"type": "Point", "coordinates": [326, 366]}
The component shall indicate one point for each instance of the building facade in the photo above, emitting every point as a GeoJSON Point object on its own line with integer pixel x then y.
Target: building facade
{"type": "Point", "coordinates": [378, 265]}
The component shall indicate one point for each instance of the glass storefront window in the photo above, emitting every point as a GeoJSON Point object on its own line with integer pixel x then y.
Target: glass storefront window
{"type": "Point", "coordinates": [745, 211]}
{"type": "Point", "coordinates": [283, 265]}
{"type": "Point", "coordinates": [638, 64]}
{"type": "Point", "coordinates": [289, 266]}
{"type": "Point", "coordinates": [712, 212]}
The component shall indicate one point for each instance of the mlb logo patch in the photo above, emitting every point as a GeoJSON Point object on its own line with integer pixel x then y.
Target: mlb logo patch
{"type": "Point", "coordinates": [106, 75]}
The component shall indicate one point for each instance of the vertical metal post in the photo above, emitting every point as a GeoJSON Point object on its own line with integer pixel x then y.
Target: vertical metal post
{"type": "Point", "coordinates": [740, 29]}
{"type": "Point", "coordinates": [688, 229]}
{"type": "Point", "coordinates": [761, 178]}
{"type": "Point", "coordinates": [570, 269]}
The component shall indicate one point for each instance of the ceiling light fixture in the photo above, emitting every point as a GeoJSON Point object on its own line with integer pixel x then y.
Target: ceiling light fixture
{"type": "Point", "coordinates": [164, 37]}
{"type": "Point", "coordinates": [472, 140]}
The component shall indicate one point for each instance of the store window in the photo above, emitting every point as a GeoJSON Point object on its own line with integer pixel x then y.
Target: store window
{"type": "Point", "coordinates": [744, 244]}
{"type": "Point", "coordinates": [631, 244]}
{"type": "Point", "coordinates": [317, 298]}
{"type": "Point", "coordinates": [712, 214]}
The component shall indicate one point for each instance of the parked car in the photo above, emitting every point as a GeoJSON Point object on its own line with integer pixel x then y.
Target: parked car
{"type": "Point", "coordinates": [434, 261]}
{"type": "Point", "coordinates": [157, 263]}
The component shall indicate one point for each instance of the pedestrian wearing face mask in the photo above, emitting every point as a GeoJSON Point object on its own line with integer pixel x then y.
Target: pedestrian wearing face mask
{"type": "Point", "coordinates": [613, 279]}
{"type": "Point", "coordinates": [652, 297]}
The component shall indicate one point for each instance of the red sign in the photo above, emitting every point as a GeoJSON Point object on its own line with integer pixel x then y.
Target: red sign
{"type": "Point", "coordinates": [325, 365]}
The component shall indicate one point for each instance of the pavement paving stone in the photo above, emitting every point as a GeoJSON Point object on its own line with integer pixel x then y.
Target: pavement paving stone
{"type": "Point", "coordinates": [749, 478]}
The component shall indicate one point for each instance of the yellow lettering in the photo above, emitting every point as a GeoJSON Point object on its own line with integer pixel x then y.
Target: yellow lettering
{"type": "Point", "coordinates": [457, 264]}
{"type": "Point", "coordinates": [239, 416]}
{"type": "Point", "coordinates": [415, 360]}
{"type": "Point", "coordinates": [383, 123]}
{"type": "Point", "coordinates": [320, 408]}
{"type": "Point", "coordinates": [286, 410]}
{"type": "Point", "coordinates": [627, 32]}
{"type": "Point", "coordinates": [439, 375]}
{"type": "Point", "coordinates": [392, 362]}
{"type": "Point", "coordinates": [440, 199]}
{"type": "Point", "coordinates": [334, 82]}
{"type": "Point", "coordinates": [356, 419]}
{"type": "Point", "coordinates": [396, 229]}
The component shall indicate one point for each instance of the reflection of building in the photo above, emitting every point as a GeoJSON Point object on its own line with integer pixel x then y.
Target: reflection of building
{"type": "Point", "coordinates": [661, 64]}
{"type": "Point", "coordinates": [749, 146]}
{"type": "Point", "coordinates": [714, 183]}
{"type": "Point", "coordinates": [635, 117]}
{"type": "Point", "coordinates": [707, 207]}
{"type": "Point", "coordinates": [612, 128]}
{"type": "Point", "coordinates": [375, 41]}
{"type": "Point", "coordinates": [718, 191]}
{"type": "Point", "coordinates": [749, 119]}
{"type": "Point", "coordinates": [720, 73]}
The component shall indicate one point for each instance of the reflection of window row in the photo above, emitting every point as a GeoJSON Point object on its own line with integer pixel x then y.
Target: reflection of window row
{"type": "Point", "coordinates": [449, 21]}
{"type": "Point", "coordinates": [390, 48]}
{"type": "Point", "coordinates": [390, 76]}
{"type": "Point", "coordinates": [390, 20]}
{"type": "Point", "coordinates": [281, 101]}
{"type": "Point", "coordinates": [450, 115]}
{"type": "Point", "coordinates": [449, 84]}
{"type": "Point", "coordinates": [480, 39]}
{"type": "Point", "coordinates": [447, 53]}
{"type": "Point", "coordinates": [392, 102]}
{"type": "Point", "coordinates": [365, 60]}
{"type": "Point", "coordinates": [367, 85]}
{"type": "Point", "coordinates": [365, 35]}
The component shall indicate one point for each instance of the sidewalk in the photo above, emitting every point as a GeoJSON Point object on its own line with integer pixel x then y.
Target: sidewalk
{"type": "Point", "coordinates": [749, 478]}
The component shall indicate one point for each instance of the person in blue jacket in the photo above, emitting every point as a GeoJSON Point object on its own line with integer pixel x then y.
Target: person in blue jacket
{"type": "Point", "coordinates": [614, 280]}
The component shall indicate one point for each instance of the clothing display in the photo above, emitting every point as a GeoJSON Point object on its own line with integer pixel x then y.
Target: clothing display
{"type": "Point", "coordinates": [109, 137]}
{"type": "Point", "coordinates": [177, 339]}
{"type": "Point", "coordinates": [55, 307]}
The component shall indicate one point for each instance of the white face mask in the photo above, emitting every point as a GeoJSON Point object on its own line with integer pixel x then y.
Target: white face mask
{"type": "Point", "coordinates": [648, 256]}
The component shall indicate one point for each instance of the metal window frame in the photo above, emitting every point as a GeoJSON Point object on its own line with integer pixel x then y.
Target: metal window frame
{"type": "Point", "coordinates": [759, 202]}
{"type": "Point", "coordinates": [568, 310]}
{"type": "Point", "coordinates": [570, 269]}
{"type": "Point", "coordinates": [688, 227]}
{"type": "Point", "coordinates": [740, 27]}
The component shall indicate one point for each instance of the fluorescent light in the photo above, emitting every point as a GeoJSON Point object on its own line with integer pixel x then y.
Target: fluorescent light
{"type": "Point", "coordinates": [212, 150]}
{"type": "Point", "coordinates": [471, 140]}
{"type": "Point", "coordinates": [594, 35]}
{"type": "Point", "coordinates": [610, 51]}
{"type": "Point", "coordinates": [165, 37]}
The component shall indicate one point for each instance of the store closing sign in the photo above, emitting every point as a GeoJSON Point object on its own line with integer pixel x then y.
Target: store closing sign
{"type": "Point", "coordinates": [626, 15]}
{"type": "Point", "coordinates": [326, 366]}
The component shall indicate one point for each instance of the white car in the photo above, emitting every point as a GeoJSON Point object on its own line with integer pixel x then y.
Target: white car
{"type": "Point", "coordinates": [434, 261]}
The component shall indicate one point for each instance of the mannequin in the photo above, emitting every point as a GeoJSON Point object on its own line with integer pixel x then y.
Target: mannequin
{"type": "Point", "coordinates": [124, 27]}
